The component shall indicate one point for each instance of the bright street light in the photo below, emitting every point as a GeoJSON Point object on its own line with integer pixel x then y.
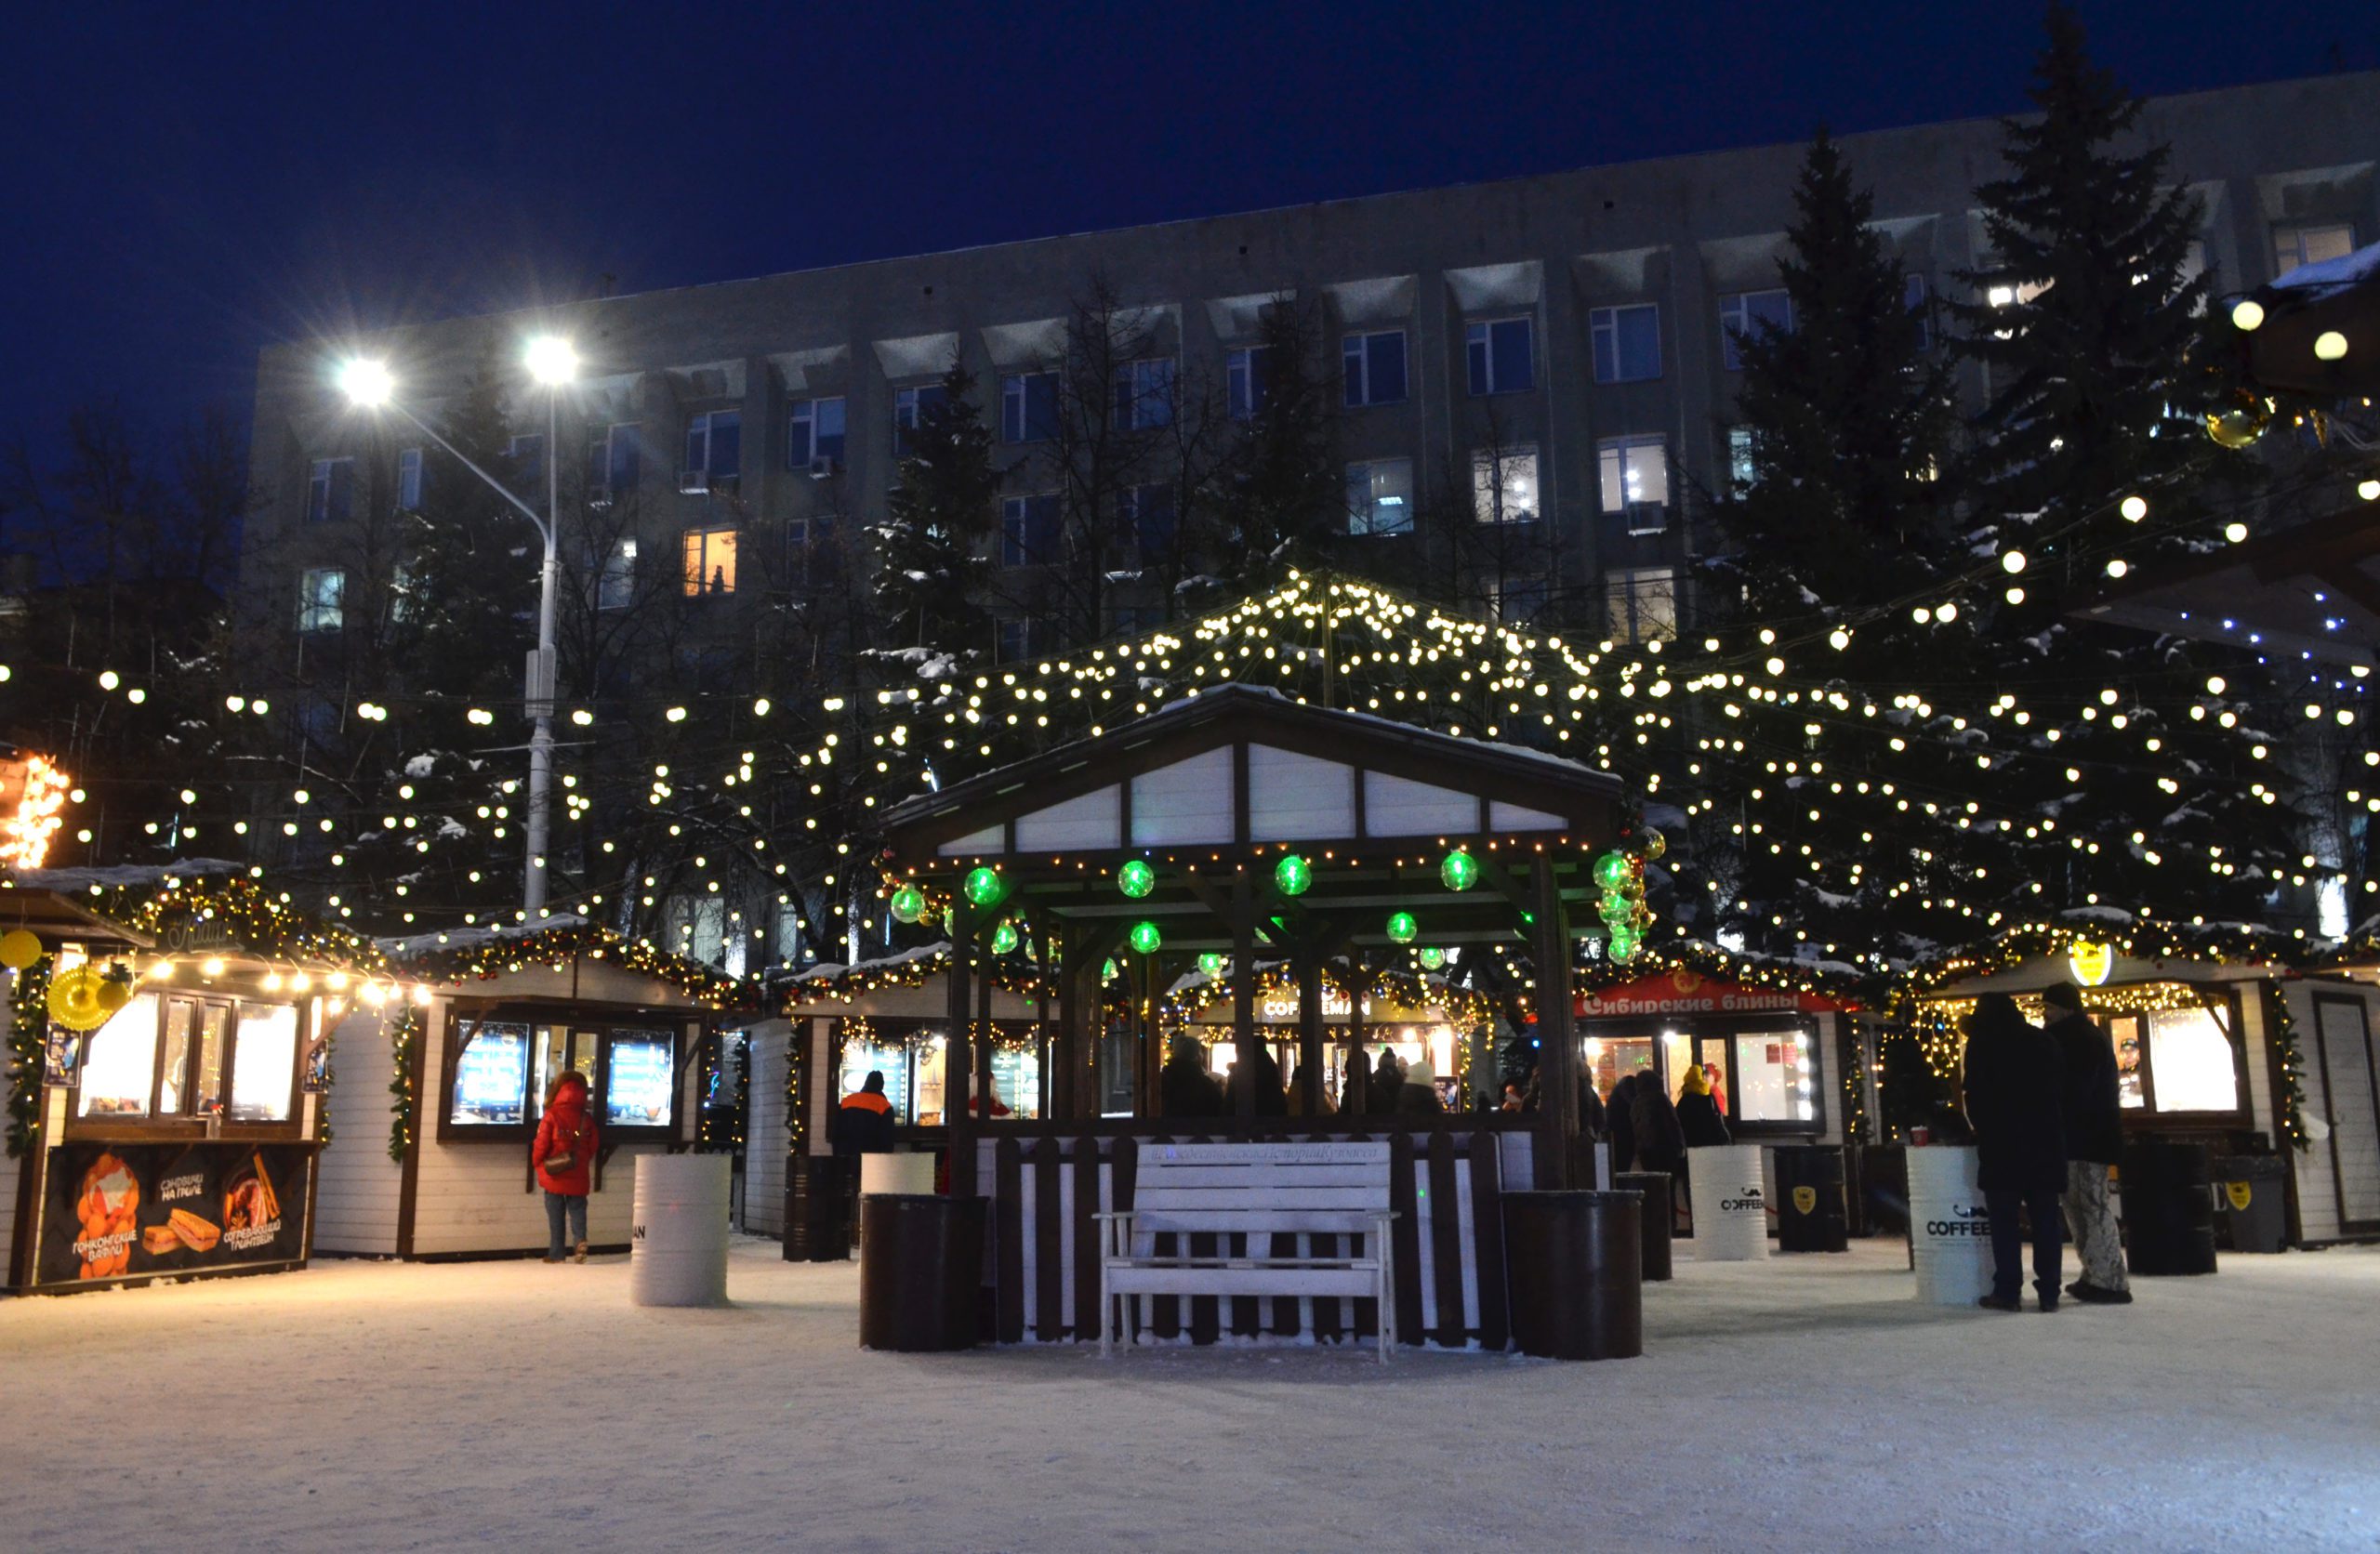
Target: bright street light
{"type": "Point", "coordinates": [550, 359]}
{"type": "Point", "coordinates": [368, 383]}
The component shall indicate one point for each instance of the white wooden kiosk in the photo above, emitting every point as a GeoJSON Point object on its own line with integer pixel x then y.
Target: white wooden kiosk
{"type": "Point", "coordinates": [488, 1020]}
{"type": "Point", "coordinates": [2334, 1018]}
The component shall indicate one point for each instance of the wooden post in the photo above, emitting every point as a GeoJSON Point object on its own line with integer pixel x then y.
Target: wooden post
{"type": "Point", "coordinates": [983, 1071]}
{"type": "Point", "coordinates": [1243, 997]}
{"type": "Point", "coordinates": [957, 1053]}
{"type": "Point", "coordinates": [1310, 1034]}
{"type": "Point", "coordinates": [1557, 1050]}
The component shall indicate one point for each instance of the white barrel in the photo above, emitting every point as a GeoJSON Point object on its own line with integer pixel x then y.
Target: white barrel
{"type": "Point", "coordinates": [895, 1173]}
{"type": "Point", "coordinates": [1730, 1209]}
{"type": "Point", "coordinates": [1949, 1231]}
{"type": "Point", "coordinates": [677, 1243]}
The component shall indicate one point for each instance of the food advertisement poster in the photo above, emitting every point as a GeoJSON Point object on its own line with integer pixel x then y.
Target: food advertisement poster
{"type": "Point", "coordinates": [59, 1054]}
{"type": "Point", "coordinates": [116, 1211]}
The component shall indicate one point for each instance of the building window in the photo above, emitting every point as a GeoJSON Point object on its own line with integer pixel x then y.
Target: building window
{"type": "Point", "coordinates": [2292, 246]}
{"type": "Point", "coordinates": [1627, 342]}
{"type": "Point", "coordinates": [810, 552]}
{"type": "Point", "coordinates": [409, 481]}
{"type": "Point", "coordinates": [1917, 296]}
{"type": "Point", "coordinates": [1375, 367]}
{"type": "Point", "coordinates": [1028, 407]}
{"type": "Point", "coordinates": [2174, 1060]}
{"type": "Point", "coordinates": [330, 491]}
{"type": "Point", "coordinates": [1641, 606]}
{"type": "Point", "coordinates": [321, 599]}
{"type": "Point", "coordinates": [1028, 529]}
{"type": "Point", "coordinates": [1144, 518]}
{"type": "Point", "coordinates": [614, 459]}
{"type": "Point", "coordinates": [1520, 599]}
{"type": "Point", "coordinates": [1636, 478]}
{"type": "Point", "coordinates": [1503, 485]}
{"type": "Point", "coordinates": [1145, 394]}
{"type": "Point", "coordinates": [1743, 472]}
{"type": "Point", "coordinates": [1248, 373]}
{"type": "Point", "coordinates": [711, 562]}
{"type": "Point", "coordinates": [815, 436]}
{"type": "Point", "coordinates": [1751, 315]}
{"type": "Point", "coordinates": [528, 456]}
{"type": "Point", "coordinates": [1130, 620]}
{"type": "Point", "coordinates": [714, 450]}
{"type": "Point", "coordinates": [907, 406]}
{"type": "Point", "coordinates": [1380, 497]}
{"type": "Point", "coordinates": [1013, 641]}
{"type": "Point", "coordinates": [1499, 356]}
{"type": "Point", "coordinates": [615, 586]}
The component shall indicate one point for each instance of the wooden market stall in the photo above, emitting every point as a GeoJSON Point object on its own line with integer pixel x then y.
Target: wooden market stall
{"type": "Point", "coordinates": [171, 1131]}
{"type": "Point", "coordinates": [486, 1019]}
{"type": "Point", "coordinates": [2333, 1016]}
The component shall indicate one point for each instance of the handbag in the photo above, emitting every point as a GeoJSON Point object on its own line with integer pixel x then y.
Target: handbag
{"type": "Point", "coordinates": [563, 1160]}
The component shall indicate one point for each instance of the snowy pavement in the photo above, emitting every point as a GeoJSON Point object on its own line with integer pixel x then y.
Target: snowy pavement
{"type": "Point", "coordinates": [1806, 1402]}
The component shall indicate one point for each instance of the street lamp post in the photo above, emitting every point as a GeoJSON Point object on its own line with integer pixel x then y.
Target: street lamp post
{"type": "Point", "coordinates": [552, 362]}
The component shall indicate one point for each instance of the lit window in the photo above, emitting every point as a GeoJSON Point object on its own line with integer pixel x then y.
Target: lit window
{"type": "Point", "coordinates": [714, 450]}
{"type": "Point", "coordinates": [1248, 373]}
{"type": "Point", "coordinates": [1028, 529]}
{"type": "Point", "coordinates": [409, 481]}
{"type": "Point", "coordinates": [2292, 246]}
{"type": "Point", "coordinates": [711, 562]}
{"type": "Point", "coordinates": [1743, 470]}
{"type": "Point", "coordinates": [1499, 356]}
{"type": "Point", "coordinates": [321, 599]}
{"type": "Point", "coordinates": [1145, 394]}
{"type": "Point", "coordinates": [1375, 367]}
{"type": "Point", "coordinates": [1503, 485]}
{"type": "Point", "coordinates": [1627, 342]}
{"type": "Point", "coordinates": [1751, 316]}
{"type": "Point", "coordinates": [1028, 407]}
{"type": "Point", "coordinates": [1635, 474]}
{"type": "Point", "coordinates": [2176, 1060]}
{"type": "Point", "coordinates": [908, 404]}
{"type": "Point", "coordinates": [330, 491]}
{"type": "Point", "coordinates": [1773, 1077]}
{"type": "Point", "coordinates": [1380, 497]}
{"type": "Point", "coordinates": [815, 436]}
{"type": "Point", "coordinates": [616, 588]}
{"type": "Point", "coordinates": [1641, 606]}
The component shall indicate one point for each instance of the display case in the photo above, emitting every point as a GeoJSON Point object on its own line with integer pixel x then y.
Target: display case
{"type": "Point", "coordinates": [502, 1065]}
{"type": "Point", "coordinates": [183, 1064]}
{"type": "Point", "coordinates": [2181, 1064]}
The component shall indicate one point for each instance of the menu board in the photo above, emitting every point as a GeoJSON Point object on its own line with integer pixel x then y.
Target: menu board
{"type": "Point", "coordinates": [492, 1075]}
{"type": "Point", "coordinates": [637, 1091]}
{"type": "Point", "coordinates": [117, 1211]}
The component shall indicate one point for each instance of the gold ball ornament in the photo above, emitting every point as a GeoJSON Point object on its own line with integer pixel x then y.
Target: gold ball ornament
{"type": "Point", "coordinates": [115, 987]}
{"type": "Point", "coordinates": [19, 949]}
{"type": "Point", "coordinates": [2238, 424]}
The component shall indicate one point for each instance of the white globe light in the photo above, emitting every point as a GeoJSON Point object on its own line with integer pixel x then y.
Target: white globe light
{"type": "Point", "coordinates": [2368, 490]}
{"type": "Point", "coordinates": [366, 383]}
{"type": "Point", "coordinates": [2330, 346]}
{"type": "Point", "coordinates": [2235, 533]}
{"type": "Point", "coordinates": [2247, 314]}
{"type": "Point", "coordinates": [1947, 612]}
{"type": "Point", "coordinates": [2134, 510]}
{"type": "Point", "coordinates": [551, 359]}
{"type": "Point", "coordinates": [2116, 568]}
{"type": "Point", "coordinates": [2012, 562]}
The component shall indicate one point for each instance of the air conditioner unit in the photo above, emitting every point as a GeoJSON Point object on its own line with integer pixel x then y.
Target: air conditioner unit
{"type": "Point", "coordinates": [694, 482]}
{"type": "Point", "coordinates": [821, 467]}
{"type": "Point", "coordinates": [1648, 518]}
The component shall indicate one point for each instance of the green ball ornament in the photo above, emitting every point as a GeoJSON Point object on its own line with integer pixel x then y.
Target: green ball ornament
{"type": "Point", "coordinates": [1108, 971]}
{"type": "Point", "coordinates": [1432, 958]}
{"type": "Point", "coordinates": [1292, 875]}
{"type": "Point", "coordinates": [908, 904]}
{"type": "Point", "coordinates": [1615, 905]}
{"type": "Point", "coordinates": [1459, 871]}
{"type": "Point", "coordinates": [985, 887]}
{"type": "Point", "coordinates": [1003, 938]}
{"type": "Point", "coordinates": [1136, 879]}
{"type": "Point", "coordinates": [1614, 871]}
{"type": "Point", "coordinates": [1211, 964]}
{"type": "Point", "coordinates": [1624, 944]}
{"type": "Point", "coordinates": [1145, 938]}
{"type": "Point", "coordinates": [1402, 929]}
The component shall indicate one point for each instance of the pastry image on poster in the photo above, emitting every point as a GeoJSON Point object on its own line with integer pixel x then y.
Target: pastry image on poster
{"type": "Point", "coordinates": [116, 1211]}
{"type": "Point", "coordinates": [251, 1210]}
{"type": "Point", "coordinates": [106, 1204]}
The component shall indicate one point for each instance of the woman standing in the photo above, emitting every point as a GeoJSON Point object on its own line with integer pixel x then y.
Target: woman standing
{"type": "Point", "coordinates": [564, 1156]}
{"type": "Point", "coordinates": [1698, 1113]}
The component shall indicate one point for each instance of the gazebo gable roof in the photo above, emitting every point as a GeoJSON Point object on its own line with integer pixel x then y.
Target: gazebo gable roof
{"type": "Point", "coordinates": [1242, 766]}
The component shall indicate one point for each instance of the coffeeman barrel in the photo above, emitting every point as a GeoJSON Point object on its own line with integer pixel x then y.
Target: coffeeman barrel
{"type": "Point", "coordinates": [2168, 1208]}
{"type": "Point", "coordinates": [1809, 1198]}
{"type": "Point", "coordinates": [1949, 1230]}
{"type": "Point", "coordinates": [677, 1239]}
{"type": "Point", "coordinates": [1653, 1218]}
{"type": "Point", "coordinates": [1730, 1208]}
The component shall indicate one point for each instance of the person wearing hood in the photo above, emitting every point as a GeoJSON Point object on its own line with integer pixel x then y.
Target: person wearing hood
{"type": "Point", "coordinates": [1660, 1142]}
{"type": "Point", "coordinates": [1698, 1115]}
{"type": "Point", "coordinates": [1590, 1118]}
{"type": "Point", "coordinates": [1265, 1074]}
{"type": "Point", "coordinates": [1186, 1087]}
{"type": "Point", "coordinates": [1620, 1121]}
{"type": "Point", "coordinates": [1417, 1096]}
{"type": "Point", "coordinates": [2013, 1085]}
{"type": "Point", "coordinates": [563, 1154]}
{"type": "Point", "coordinates": [1297, 1098]}
{"type": "Point", "coordinates": [1388, 1078]}
{"type": "Point", "coordinates": [2092, 1113]}
{"type": "Point", "coordinates": [864, 1121]}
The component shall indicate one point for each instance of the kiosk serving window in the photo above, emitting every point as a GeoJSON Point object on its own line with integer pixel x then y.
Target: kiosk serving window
{"type": "Point", "coordinates": [912, 1066]}
{"type": "Point", "coordinates": [501, 1070]}
{"type": "Point", "coordinates": [178, 1057]}
{"type": "Point", "coordinates": [2176, 1061]}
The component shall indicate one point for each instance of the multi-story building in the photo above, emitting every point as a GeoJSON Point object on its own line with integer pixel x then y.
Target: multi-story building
{"type": "Point", "coordinates": [1557, 350]}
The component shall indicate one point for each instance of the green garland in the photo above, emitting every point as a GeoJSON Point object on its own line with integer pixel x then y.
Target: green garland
{"type": "Point", "coordinates": [484, 959]}
{"type": "Point", "coordinates": [238, 905]}
{"type": "Point", "coordinates": [2292, 1108]}
{"type": "Point", "coordinates": [404, 1040]}
{"type": "Point", "coordinates": [28, 1034]}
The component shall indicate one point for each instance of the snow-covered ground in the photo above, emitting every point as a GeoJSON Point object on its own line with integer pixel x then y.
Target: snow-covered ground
{"type": "Point", "coordinates": [1808, 1403]}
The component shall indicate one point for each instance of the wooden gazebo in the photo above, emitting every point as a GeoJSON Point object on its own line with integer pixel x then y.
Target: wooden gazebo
{"type": "Point", "coordinates": [1264, 830]}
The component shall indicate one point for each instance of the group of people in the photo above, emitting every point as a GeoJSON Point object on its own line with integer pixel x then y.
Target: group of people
{"type": "Point", "coordinates": [1188, 1087]}
{"type": "Point", "coordinates": [1648, 1131]}
{"type": "Point", "coordinates": [2048, 1123]}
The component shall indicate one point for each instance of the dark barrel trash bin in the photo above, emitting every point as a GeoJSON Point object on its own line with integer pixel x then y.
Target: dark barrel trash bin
{"type": "Point", "coordinates": [2252, 1198]}
{"type": "Point", "coordinates": [1653, 1217]}
{"type": "Point", "coordinates": [918, 1282]}
{"type": "Point", "coordinates": [1572, 1266]}
{"type": "Point", "coordinates": [1810, 1205]}
{"type": "Point", "coordinates": [2168, 1212]}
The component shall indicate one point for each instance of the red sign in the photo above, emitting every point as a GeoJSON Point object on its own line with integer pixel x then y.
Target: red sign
{"type": "Point", "coordinates": [1679, 990]}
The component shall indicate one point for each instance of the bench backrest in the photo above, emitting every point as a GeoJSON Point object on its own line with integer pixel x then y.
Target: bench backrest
{"type": "Point", "coordinates": [1326, 1188]}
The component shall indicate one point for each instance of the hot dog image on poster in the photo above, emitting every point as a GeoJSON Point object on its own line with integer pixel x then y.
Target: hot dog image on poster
{"type": "Point", "coordinates": [117, 1210]}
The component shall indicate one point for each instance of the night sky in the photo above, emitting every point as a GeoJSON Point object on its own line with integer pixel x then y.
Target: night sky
{"type": "Point", "coordinates": [184, 186]}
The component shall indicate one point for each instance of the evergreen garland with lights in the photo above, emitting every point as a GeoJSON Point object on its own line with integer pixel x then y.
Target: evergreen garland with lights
{"type": "Point", "coordinates": [2281, 1026]}
{"type": "Point", "coordinates": [404, 1043]}
{"type": "Point", "coordinates": [28, 1037]}
{"type": "Point", "coordinates": [564, 941]}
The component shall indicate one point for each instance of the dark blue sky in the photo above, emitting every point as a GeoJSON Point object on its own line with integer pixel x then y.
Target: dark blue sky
{"type": "Point", "coordinates": [184, 185]}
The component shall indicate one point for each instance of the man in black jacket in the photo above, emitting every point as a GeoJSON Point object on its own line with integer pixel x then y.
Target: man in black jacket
{"type": "Point", "coordinates": [1186, 1086]}
{"type": "Point", "coordinates": [2013, 1093]}
{"type": "Point", "coordinates": [2093, 1118]}
{"type": "Point", "coordinates": [864, 1122]}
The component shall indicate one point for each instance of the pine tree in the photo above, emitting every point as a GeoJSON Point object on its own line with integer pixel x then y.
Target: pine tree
{"type": "Point", "coordinates": [1284, 492]}
{"type": "Point", "coordinates": [932, 547]}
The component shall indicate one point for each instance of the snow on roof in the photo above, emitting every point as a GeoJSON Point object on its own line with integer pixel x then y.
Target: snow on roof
{"type": "Point", "coordinates": [2330, 275]}
{"type": "Point", "coordinates": [418, 944]}
{"type": "Point", "coordinates": [828, 970]}
{"type": "Point", "coordinates": [122, 877]}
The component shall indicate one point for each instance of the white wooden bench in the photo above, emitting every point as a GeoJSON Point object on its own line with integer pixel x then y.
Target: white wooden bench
{"type": "Point", "coordinates": [1258, 1191]}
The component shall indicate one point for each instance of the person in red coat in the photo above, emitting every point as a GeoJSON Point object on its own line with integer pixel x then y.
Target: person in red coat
{"type": "Point", "coordinates": [564, 1156]}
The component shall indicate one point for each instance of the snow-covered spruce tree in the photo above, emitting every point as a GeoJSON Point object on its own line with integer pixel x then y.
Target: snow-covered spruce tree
{"type": "Point", "coordinates": [932, 547]}
{"type": "Point", "coordinates": [1283, 493]}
